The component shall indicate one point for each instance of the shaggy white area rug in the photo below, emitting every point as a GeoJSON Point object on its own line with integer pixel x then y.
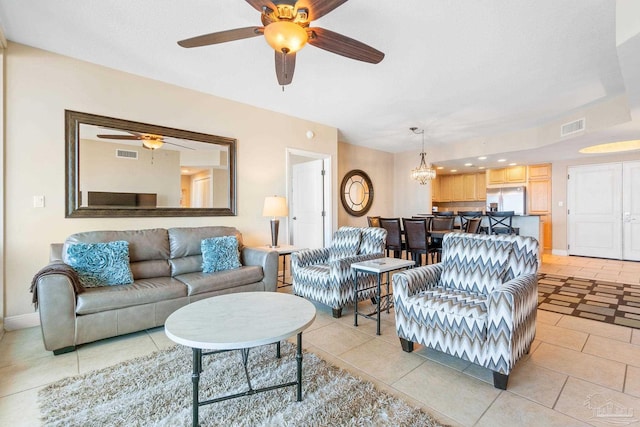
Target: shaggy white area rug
{"type": "Point", "coordinates": [155, 390]}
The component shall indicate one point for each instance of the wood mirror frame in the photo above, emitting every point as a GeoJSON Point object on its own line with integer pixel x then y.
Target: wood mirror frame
{"type": "Point", "coordinates": [73, 208]}
{"type": "Point", "coordinates": [356, 192]}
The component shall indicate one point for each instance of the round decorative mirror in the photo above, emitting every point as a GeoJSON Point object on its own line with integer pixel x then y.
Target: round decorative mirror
{"type": "Point", "coordinates": [356, 192]}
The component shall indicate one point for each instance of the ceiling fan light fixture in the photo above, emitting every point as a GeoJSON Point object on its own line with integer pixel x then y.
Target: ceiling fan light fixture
{"type": "Point", "coordinates": [152, 144]}
{"type": "Point", "coordinates": [285, 36]}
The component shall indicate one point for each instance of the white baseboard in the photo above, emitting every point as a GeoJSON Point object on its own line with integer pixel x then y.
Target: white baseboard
{"type": "Point", "coordinates": [21, 321]}
{"type": "Point", "coordinates": [560, 252]}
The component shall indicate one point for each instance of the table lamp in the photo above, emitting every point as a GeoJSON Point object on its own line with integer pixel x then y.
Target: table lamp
{"type": "Point", "coordinates": [275, 206]}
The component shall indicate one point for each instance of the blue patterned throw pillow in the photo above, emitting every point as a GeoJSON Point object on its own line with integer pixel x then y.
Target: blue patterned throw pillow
{"type": "Point", "coordinates": [220, 253]}
{"type": "Point", "coordinates": [100, 264]}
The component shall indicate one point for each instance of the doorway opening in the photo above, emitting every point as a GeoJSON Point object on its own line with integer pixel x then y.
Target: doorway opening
{"type": "Point", "coordinates": [310, 204]}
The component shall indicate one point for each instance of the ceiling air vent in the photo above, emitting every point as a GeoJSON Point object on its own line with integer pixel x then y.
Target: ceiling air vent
{"type": "Point", "coordinates": [572, 127]}
{"type": "Point", "coordinates": [127, 154]}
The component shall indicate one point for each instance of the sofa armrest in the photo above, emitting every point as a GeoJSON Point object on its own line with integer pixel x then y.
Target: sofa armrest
{"type": "Point", "coordinates": [265, 258]}
{"type": "Point", "coordinates": [511, 321]}
{"type": "Point", "coordinates": [411, 282]}
{"type": "Point", "coordinates": [57, 308]}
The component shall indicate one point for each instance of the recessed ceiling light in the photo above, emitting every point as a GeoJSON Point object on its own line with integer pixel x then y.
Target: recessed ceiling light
{"type": "Point", "coordinates": [468, 164]}
{"type": "Point", "coordinates": [481, 167]}
{"type": "Point", "coordinates": [454, 170]}
{"type": "Point", "coordinates": [440, 168]}
{"type": "Point", "coordinates": [612, 147]}
{"type": "Point", "coordinates": [502, 160]}
{"type": "Point", "coordinates": [512, 164]}
{"type": "Point", "coordinates": [482, 158]}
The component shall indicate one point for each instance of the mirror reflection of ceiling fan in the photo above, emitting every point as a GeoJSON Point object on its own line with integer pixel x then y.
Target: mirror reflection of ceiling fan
{"type": "Point", "coordinates": [149, 140]}
{"type": "Point", "coordinates": [286, 29]}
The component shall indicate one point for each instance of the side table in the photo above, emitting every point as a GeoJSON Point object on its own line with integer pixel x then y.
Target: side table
{"type": "Point", "coordinates": [283, 251]}
{"type": "Point", "coordinates": [377, 266]}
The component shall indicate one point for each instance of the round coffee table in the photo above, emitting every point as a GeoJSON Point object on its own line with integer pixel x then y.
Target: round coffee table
{"type": "Point", "coordinates": [240, 321]}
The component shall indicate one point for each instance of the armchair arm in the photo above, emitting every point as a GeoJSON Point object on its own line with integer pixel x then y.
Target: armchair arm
{"type": "Point", "coordinates": [306, 257]}
{"type": "Point", "coordinates": [411, 282]}
{"type": "Point", "coordinates": [265, 258]}
{"type": "Point", "coordinates": [511, 321]}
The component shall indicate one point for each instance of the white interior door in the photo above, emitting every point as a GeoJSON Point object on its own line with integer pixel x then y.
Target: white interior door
{"type": "Point", "coordinates": [631, 211]}
{"type": "Point", "coordinates": [307, 204]}
{"type": "Point", "coordinates": [594, 203]}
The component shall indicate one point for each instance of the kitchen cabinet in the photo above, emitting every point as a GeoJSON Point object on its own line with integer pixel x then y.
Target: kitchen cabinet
{"type": "Point", "coordinates": [511, 175]}
{"type": "Point", "coordinates": [539, 172]}
{"type": "Point", "coordinates": [539, 199]}
{"type": "Point", "coordinates": [435, 189]}
{"type": "Point", "coordinates": [469, 187]}
{"type": "Point", "coordinates": [457, 187]}
{"type": "Point", "coordinates": [481, 186]}
{"type": "Point", "coordinates": [446, 182]}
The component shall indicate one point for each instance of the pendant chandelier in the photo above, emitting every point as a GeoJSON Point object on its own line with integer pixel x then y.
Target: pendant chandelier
{"type": "Point", "coordinates": [422, 173]}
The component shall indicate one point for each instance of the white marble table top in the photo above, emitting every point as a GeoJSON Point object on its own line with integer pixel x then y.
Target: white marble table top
{"type": "Point", "coordinates": [239, 320]}
{"type": "Point", "coordinates": [382, 265]}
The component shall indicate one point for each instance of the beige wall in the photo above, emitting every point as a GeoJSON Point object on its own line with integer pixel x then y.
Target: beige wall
{"type": "Point", "coordinates": [41, 85]}
{"type": "Point", "coordinates": [379, 166]}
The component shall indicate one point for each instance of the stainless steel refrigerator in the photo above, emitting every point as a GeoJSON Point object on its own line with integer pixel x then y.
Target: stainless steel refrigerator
{"type": "Point", "coordinates": [507, 199]}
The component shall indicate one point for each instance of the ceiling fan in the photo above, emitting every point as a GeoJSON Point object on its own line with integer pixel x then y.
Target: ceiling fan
{"type": "Point", "coordinates": [286, 29]}
{"type": "Point", "coordinates": [149, 140]}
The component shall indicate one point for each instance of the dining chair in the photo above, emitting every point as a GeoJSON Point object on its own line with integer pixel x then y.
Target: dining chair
{"type": "Point", "coordinates": [473, 225]}
{"type": "Point", "coordinates": [501, 222]}
{"type": "Point", "coordinates": [373, 221]}
{"type": "Point", "coordinates": [465, 216]}
{"type": "Point", "coordinates": [439, 223]}
{"type": "Point", "coordinates": [394, 236]}
{"type": "Point", "coordinates": [417, 238]}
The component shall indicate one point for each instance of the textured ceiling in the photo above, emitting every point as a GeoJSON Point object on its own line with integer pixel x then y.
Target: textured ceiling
{"type": "Point", "coordinates": [463, 70]}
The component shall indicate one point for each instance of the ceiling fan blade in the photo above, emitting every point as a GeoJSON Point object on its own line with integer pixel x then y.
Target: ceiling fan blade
{"type": "Point", "coordinates": [318, 8]}
{"type": "Point", "coordinates": [178, 145]}
{"type": "Point", "coordinates": [222, 37]}
{"type": "Point", "coordinates": [130, 137]}
{"type": "Point", "coordinates": [285, 66]}
{"type": "Point", "coordinates": [257, 4]}
{"type": "Point", "coordinates": [343, 45]}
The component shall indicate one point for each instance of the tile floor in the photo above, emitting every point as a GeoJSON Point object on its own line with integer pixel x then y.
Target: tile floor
{"type": "Point", "coordinates": [575, 365]}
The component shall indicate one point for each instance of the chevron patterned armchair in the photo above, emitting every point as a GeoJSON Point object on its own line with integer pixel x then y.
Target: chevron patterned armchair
{"type": "Point", "coordinates": [325, 274]}
{"type": "Point", "coordinates": [478, 304]}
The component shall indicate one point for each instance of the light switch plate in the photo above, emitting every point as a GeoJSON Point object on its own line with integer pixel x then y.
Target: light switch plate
{"type": "Point", "coordinates": [38, 201]}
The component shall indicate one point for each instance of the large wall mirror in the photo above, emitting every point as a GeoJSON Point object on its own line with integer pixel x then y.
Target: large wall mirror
{"type": "Point", "coordinates": [120, 168]}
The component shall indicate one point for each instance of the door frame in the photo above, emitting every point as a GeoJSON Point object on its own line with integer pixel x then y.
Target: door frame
{"type": "Point", "coordinates": [328, 185]}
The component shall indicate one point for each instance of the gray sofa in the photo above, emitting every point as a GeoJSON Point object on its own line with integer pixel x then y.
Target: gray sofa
{"type": "Point", "coordinates": [167, 270]}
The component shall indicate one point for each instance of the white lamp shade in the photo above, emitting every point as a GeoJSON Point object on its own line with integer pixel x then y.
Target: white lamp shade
{"type": "Point", "coordinates": [275, 206]}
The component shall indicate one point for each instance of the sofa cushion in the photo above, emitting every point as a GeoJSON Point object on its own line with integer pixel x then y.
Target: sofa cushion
{"type": "Point", "coordinates": [345, 243]}
{"type": "Point", "coordinates": [475, 264]}
{"type": "Point", "coordinates": [100, 264]}
{"type": "Point", "coordinates": [220, 253]}
{"type": "Point", "coordinates": [148, 249]}
{"type": "Point", "coordinates": [144, 291]}
{"type": "Point", "coordinates": [186, 250]}
{"type": "Point", "coordinates": [199, 282]}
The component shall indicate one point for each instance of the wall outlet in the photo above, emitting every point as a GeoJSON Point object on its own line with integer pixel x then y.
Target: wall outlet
{"type": "Point", "coordinates": [38, 201]}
